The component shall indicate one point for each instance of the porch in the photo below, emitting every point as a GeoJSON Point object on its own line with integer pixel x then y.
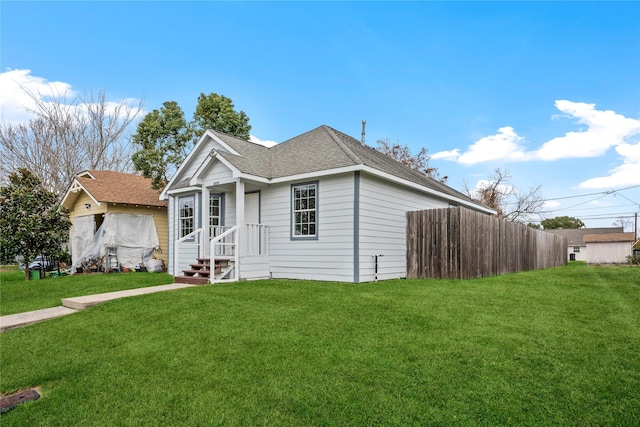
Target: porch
{"type": "Point", "coordinates": [222, 254]}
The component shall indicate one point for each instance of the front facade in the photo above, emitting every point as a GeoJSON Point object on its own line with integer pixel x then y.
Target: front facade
{"type": "Point", "coordinates": [320, 206]}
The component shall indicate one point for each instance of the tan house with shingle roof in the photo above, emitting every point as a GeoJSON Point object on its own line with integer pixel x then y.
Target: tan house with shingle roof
{"type": "Point", "coordinates": [134, 216]}
{"type": "Point", "coordinates": [612, 248]}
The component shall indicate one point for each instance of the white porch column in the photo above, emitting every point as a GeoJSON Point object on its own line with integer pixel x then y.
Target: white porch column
{"type": "Point", "coordinates": [204, 214]}
{"type": "Point", "coordinates": [240, 215]}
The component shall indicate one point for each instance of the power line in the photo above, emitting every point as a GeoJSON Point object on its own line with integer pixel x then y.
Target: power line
{"type": "Point", "coordinates": [593, 194]}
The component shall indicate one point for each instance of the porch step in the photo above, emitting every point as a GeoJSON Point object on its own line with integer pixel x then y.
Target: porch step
{"type": "Point", "coordinates": [197, 273]}
{"type": "Point", "coordinates": [192, 280]}
{"type": "Point", "coordinates": [200, 272]}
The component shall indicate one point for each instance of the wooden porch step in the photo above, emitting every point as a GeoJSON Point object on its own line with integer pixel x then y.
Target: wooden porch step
{"type": "Point", "coordinates": [192, 280]}
{"type": "Point", "coordinates": [200, 273]}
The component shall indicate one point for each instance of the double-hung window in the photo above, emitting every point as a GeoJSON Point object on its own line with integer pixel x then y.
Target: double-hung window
{"type": "Point", "coordinates": [304, 211]}
{"type": "Point", "coordinates": [186, 215]}
{"type": "Point", "coordinates": [215, 214]}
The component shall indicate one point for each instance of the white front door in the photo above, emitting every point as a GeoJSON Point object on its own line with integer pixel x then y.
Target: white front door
{"type": "Point", "coordinates": [252, 208]}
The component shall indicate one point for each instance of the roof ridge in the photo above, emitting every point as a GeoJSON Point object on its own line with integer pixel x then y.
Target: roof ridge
{"type": "Point", "coordinates": [342, 145]}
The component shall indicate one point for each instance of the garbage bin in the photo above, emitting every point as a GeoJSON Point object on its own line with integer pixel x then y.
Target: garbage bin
{"type": "Point", "coordinates": [34, 274]}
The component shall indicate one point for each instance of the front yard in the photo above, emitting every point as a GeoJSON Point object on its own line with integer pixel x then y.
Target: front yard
{"type": "Point", "coordinates": [552, 347]}
{"type": "Point", "coordinates": [19, 295]}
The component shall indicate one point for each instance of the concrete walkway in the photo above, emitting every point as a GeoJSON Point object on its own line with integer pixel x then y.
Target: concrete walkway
{"type": "Point", "coordinates": [72, 305]}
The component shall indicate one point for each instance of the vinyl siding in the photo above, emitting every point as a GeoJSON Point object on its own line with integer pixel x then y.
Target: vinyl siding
{"type": "Point", "coordinates": [330, 257]}
{"type": "Point", "coordinates": [219, 172]}
{"type": "Point", "coordinates": [383, 209]}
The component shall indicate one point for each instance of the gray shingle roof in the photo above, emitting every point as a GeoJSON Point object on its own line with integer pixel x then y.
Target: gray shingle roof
{"type": "Point", "coordinates": [322, 148]}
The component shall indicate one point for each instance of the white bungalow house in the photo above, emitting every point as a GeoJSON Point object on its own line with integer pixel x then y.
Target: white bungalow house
{"type": "Point", "coordinates": [319, 206]}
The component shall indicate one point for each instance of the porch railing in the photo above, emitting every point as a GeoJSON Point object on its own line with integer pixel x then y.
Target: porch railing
{"type": "Point", "coordinates": [225, 247]}
{"type": "Point", "coordinates": [256, 240]}
{"type": "Point", "coordinates": [190, 246]}
{"type": "Point", "coordinates": [222, 244]}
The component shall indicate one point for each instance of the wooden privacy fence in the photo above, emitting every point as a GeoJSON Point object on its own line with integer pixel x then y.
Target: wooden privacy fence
{"type": "Point", "coordinates": [458, 243]}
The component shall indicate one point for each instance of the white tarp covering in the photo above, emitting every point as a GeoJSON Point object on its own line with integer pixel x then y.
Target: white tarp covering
{"type": "Point", "coordinates": [132, 238]}
{"type": "Point", "coordinates": [83, 231]}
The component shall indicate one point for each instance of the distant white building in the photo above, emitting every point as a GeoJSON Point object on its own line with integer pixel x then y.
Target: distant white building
{"type": "Point", "coordinates": [577, 247]}
{"type": "Point", "coordinates": [613, 248]}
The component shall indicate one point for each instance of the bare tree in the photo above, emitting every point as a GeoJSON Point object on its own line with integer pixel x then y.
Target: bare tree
{"type": "Point", "coordinates": [509, 202]}
{"type": "Point", "coordinates": [65, 137]}
{"type": "Point", "coordinates": [625, 222]}
{"type": "Point", "coordinates": [402, 153]}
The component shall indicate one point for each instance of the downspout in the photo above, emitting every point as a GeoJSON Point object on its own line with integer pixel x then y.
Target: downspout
{"type": "Point", "coordinates": [375, 257]}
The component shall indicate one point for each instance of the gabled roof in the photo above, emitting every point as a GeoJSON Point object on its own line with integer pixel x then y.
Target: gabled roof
{"type": "Point", "coordinates": [575, 236]}
{"type": "Point", "coordinates": [113, 187]}
{"type": "Point", "coordinates": [611, 237]}
{"type": "Point", "coordinates": [320, 149]}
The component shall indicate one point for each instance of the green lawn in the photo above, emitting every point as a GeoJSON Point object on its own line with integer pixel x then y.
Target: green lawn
{"type": "Point", "coordinates": [18, 295]}
{"type": "Point", "coordinates": [553, 347]}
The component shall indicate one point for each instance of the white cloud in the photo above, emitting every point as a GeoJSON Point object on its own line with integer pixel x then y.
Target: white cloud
{"type": "Point", "coordinates": [550, 204]}
{"type": "Point", "coordinates": [505, 145]}
{"type": "Point", "coordinates": [628, 173]}
{"type": "Point", "coordinates": [256, 140]}
{"type": "Point", "coordinates": [446, 155]}
{"type": "Point", "coordinates": [19, 87]}
{"type": "Point", "coordinates": [605, 129]}
{"type": "Point", "coordinates": [15, 86]}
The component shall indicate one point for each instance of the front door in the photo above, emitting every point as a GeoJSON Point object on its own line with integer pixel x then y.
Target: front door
{"type": "Point", "coordinates": [252, 208]}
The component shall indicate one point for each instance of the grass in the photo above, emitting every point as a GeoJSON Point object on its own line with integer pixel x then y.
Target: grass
{"type": "Point", "coordinates": [552, 347]}
{"type": "Point", "coordinates": [18, 295]}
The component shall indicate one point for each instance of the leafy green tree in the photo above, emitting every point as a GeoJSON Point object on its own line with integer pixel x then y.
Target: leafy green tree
{"type": "Point", "coordinates": [165, 138]}
{"type": "Point", "coordinates": [217, 112]}
{"type": "Point", "coordinates": [563, 222]}
{"type": "Point", "coordinates": [31, 220]}
{"type": "Point", "coordinates": [534, 226]}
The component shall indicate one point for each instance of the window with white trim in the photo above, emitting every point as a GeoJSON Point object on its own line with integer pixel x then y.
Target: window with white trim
{"type": "Point", "coordinates": [304, 210]}
{"type": "Point", "coordinates": [186, 214]}
{"type": "Point", "coordinates": [576, 249]}
{"type": "Point", "coordinates": [215, 214]}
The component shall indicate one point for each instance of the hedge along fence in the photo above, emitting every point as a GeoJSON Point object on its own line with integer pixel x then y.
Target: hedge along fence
{"type": "Point", "coordinates": [458, 243]}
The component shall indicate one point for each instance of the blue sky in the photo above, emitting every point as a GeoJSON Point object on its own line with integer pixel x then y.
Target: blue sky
{"type": "Point", "coordinates": [548, 90]}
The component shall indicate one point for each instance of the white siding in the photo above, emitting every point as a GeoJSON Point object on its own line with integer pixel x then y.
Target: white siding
{"type": "Point", "coordinates": [254, 267]}
{"type": "Point", "coordinates": [383, 210]}
{"type": "Point", "coordinates": [608, 252]}
{"type": "Point", "coordinates": [197, 160]}
{"type": "Point", "coordinates": [579, 256]}
{"type": "Point", "coordinates": [330, 257]}
{"type": "Point", "coordinates": [219, 172]}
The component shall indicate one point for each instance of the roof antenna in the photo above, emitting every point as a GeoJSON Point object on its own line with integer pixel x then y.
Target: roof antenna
{"type": "Point", "coordinates": [364, 124]}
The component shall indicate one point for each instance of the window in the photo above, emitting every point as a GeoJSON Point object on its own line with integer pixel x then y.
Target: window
{"type": "Point", "coordinates": [304, 210]}
{"type": "Point", "coordinates": [576, 249]}
{"type": "Point", "coordinates": [186, 215]}
{"type": "Point", "coordinates": [215, 214]}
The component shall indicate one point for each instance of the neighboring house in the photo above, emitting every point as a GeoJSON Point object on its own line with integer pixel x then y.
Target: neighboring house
{"type": "Point", "coordinates": [613, 248]}
{"type": "Point", "coordinates": [320, 206]}
{"type": "Point", "coordinates": [577, 247]}
{"type": "Point", "coordinates": [131, 218]}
